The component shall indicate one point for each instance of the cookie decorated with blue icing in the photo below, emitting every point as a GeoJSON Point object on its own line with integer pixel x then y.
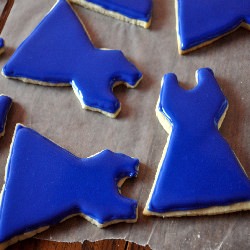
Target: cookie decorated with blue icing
{"type": "Point", "coordinates": [201, 22]}
{"type": "Point", "coordinates": [1, 45]}
{"type": "Point", "coordinates": [5, 104]}
{"type": "Point", "coordinates": [45, 184]}
{"type": "Point", "coordinates": [59, 52]}
{"type": "Point", "coordinates": [137, 12]}
{"type": "Point", "coordinates": [198, 174]}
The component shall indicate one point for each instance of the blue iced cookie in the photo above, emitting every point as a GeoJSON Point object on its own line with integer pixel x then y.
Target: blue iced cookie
{"type": "Point", "coordinates": [59, 52]}
{"type": "Point", "coordinates": [133, 11]}
{"type": "Point", "coordinates": [198, 174]}
{"type": "Point", "coordinates": [1, 45]}
{"type": "Point", "coordinates": [201, 22]}
{"type": "Point", "coordinates": [45, 184]}
{"type": "Point", "coordinates": [5, 104]}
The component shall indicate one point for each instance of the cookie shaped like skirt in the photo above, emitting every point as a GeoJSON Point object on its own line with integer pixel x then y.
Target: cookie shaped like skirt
{"type": "Point", "coordinates": [5, 104]}
{"type": "Point", "coordinates": [201, 22]}
{"type": "Point", "coordinates": [198, 174]}
{"type": "Point", "coordinates": [59, 52]}
{"type": "Point", "coordinates": [45, 184]}
{"type": "Point", "coordinates": [133, 11]}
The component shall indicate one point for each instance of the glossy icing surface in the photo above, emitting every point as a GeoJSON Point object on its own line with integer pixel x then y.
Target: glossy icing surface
{"type": "Point", "coordinates": [60, 51]}
{"type": "Point", "coordinates": [200, 21]}
{"type": "Point", "coordinates": [1, 43]}
{"type": "Point", "coordinates": [5, 103]}
{"type": "Point", "coordinates": [45, 184]}
{"type": "Point", "coordinates": [199, 169]}
{"type": "Point", "coordinates": [139, 9]}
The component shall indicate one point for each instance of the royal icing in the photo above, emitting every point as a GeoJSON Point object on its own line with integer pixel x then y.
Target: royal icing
{"type": "Point", "coordinates": [45, 184]}
{"type": "Point", "coordinates": [138, 12]}
{"type": "Point", "coordinates": [201, 22]}
{"type": "Point", "coordinates": [5, 104]}
{"type": "Point", "coordinates": [1, 45]}
{"type": "Point", "coordinates": [60, 51]}
{"type": "Point", "coordinates": [198, 169]}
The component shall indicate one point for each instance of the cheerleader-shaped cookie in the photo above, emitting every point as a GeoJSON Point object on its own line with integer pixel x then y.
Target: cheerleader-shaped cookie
{"type": "Point", "coordinates": [198, 174]}
{"type": "Point", "coordinates": [59, 52]}
{"type": "Point", "coordinates": [45, 184]}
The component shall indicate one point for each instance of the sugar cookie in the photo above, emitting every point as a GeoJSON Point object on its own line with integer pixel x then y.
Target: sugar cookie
{"type": "Point", "coordinates": [1, 45]}
{"type": "Point", "coordinates": [5, 104]}
{"type": "Point", "coordinates": [201, 22]}
{"type": "Point", "coordinates": [45, 184]}
{"type": "Point", "coordinates": [59, 52]}
{"type": "Point", "coordinates": [198, 174]}
{"type": "Point", "coordinates": [132, 11]}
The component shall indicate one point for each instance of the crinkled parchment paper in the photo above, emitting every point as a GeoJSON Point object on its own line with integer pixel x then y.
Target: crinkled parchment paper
{"type": "Point", "coordinates": [57, 114]}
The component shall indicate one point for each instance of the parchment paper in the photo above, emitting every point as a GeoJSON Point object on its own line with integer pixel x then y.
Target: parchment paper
{"type": "Point", "coordinates": [2, 4]}
{"type": "Point", "coordinates": [56, 113]}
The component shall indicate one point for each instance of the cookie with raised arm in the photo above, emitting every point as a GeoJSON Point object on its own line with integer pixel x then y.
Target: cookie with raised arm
{"type": "Point", "coordinates": [198, 173]}
{"type": "Point", "coordinates": [5, 104]}
{"type": "Point", "coordinates": [59, 52]}
{"type": "Point", "coordinates": [45, 184]}
{"type": "Point", "coordinates": [201, 22]}
{"type": "Point", "coordinates": [137, 12]}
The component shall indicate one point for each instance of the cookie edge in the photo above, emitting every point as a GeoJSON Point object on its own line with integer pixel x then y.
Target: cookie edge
{"type": "Point", "coordinates": [97, 8]}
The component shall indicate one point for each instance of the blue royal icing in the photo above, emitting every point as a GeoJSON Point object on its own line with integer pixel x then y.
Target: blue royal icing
{"type": "Point", "coordinates": [60, 51]}
{"type": "Point", "coordinates": [1, 45]}
{"type": "Point", "coordinates": [198, 169]}
{"type": "Point", "coordinates": [201, 21]}
{"type": "Point", "coordinates": [133, 9]}
{"type": "Point", "coordinates": [5, 104]}
{"type": "Point", "coordinates": [46, 184]}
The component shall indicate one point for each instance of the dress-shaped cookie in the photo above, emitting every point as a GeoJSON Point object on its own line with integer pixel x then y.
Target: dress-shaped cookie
{"type": "Point", "coordinates": [198, 174]}
{"type": "Point", "coordinates": [59, 52]}
{"type": "Point", "coordinates": [46, 184]}
{"type": "Point", "coordinates": [1, 45]}
{"type": "Point", "coordinates": [5, 104]}
{"type": "Point", "coordinates": [133, 11]}
{"type": "Point", "coordinates": [201, 22]}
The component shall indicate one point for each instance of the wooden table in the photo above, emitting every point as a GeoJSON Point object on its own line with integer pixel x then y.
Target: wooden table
{"type": "Point", "coordinates": [33, 244]}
